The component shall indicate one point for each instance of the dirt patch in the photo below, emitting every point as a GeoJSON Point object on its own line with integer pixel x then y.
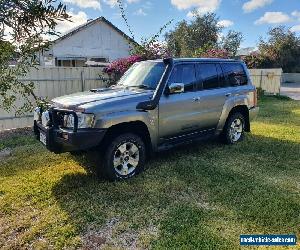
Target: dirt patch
{"type": "Point", "coordinates": [113, 236]}
{"type": "Point", "coordinates": [97, 239]}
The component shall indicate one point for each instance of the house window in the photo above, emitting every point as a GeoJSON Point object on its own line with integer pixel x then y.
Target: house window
{"type": "Point", "coordinates": [70, 62]}
{"type": "Point", "coordinates": [99, 59]}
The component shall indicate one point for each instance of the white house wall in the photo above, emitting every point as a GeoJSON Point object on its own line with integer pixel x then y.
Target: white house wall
{"type": "Point", "coordinates": [97, 40]}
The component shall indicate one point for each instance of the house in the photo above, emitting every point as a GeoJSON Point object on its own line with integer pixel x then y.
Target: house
{"type": "Point", "coordinates": [245, 51]}
{"type": "Point", "coordinates": [94, 43]}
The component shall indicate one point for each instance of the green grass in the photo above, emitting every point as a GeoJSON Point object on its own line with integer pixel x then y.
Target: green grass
{"type": "Point", "coordinates": [198, 197]}
{"type": "Point", "coordinates": [16, 141]}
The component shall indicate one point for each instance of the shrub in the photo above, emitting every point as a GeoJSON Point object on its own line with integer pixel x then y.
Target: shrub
{"type": "Point", "coordinates": [147, 51]}
{"type": "Point", "coordinates": [257, 60]}
{"type": "Point", "coordinates": [152, 50]}
{"type": "Point", "coordinates": [120, 66]}
{"type": "Point", "coordinates": [212, 53]}
{"type": "Point", "coordinates": [260, 93]}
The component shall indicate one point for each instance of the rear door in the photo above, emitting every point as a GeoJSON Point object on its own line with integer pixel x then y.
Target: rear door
{"type": "Point", "coordinates": [212, 94]}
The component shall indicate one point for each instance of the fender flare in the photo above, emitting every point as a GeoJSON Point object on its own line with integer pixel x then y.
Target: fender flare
{"type": "Point", "coordinates": [149, 118]}
{"type": "Point", "coordinates": [228, 106]}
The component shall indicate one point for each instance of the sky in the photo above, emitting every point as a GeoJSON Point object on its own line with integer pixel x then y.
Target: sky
{"type": "Point", "coordinates": [252, 17]}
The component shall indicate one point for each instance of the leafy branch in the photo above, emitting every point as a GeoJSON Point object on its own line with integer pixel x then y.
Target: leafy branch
{"type": "Point", "coordinates": [23, 28]}
{"type": "Point", "coordinates": [123, 15]}
{"type": "Point", "coordinates": [149, 48]}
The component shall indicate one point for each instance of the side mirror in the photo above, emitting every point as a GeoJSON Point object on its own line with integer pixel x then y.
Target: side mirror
{"type": "Point", "coordinates": [176, 88]}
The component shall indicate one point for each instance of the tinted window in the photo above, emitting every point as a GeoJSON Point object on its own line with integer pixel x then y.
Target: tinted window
{"type": "Point", "coordinates": [209, 75]}
{"type": "Point", "coordinates": [184, 73]}
{"type": "Point", "coordinates": [222, 82]}
{"type": "Point", "coordinates": [234, 74]}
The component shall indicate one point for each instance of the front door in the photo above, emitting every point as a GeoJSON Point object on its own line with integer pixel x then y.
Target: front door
{"type": "Point", "coordinates": [177, 111]}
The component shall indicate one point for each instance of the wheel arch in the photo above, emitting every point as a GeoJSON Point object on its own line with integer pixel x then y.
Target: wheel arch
{"type": "Point", "coordinates": [235, 104]}
{"type": "Point", "coordinates": [243, 109]}
{"type": "Point", "coordinates": [136, 127]}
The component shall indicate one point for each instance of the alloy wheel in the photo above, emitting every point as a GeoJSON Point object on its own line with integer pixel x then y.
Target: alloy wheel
{"type": "Point", "coordinates": [126, 158]}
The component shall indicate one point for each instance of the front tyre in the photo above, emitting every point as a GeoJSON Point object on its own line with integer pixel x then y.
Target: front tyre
{"type": "Point", "coordinates": [124, 157]}
{"type": "Point", "coordinates": [234, 129]}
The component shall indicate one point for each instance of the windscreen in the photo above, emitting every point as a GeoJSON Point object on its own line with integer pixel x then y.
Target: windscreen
{"type": "Point", "coordinates": [143, 75]}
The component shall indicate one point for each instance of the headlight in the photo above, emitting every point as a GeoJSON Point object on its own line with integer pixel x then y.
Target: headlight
{"type": "Point", "coordinates": [46, 118]}
{"type": "Point", "coordinates": [84, 120]}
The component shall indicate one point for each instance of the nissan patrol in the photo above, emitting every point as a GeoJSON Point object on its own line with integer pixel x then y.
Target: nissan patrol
{"type": "Point", "coordinates": [155, 105]}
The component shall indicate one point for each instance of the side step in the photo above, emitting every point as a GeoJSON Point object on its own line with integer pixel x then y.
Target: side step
{"type": "Point", "coordinates": [183, 140]}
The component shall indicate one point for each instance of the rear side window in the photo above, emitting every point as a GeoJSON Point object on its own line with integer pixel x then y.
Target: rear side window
{"type": "Point", "coordinates": [184, 73]}
{"type": "Point", "coordinates": [235, 74]}
{"type": "Point", "coordinates": [209, 76]}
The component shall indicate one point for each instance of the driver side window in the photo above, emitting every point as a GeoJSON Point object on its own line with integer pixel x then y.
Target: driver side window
{"type": "Point", "coordinates": [184, 73]}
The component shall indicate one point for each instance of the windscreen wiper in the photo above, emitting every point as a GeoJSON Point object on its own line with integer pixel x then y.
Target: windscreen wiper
{"type": "Point", "coordinates": [143, 86]}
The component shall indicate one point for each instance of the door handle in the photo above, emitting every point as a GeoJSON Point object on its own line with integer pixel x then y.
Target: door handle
{"type": "Point", "coordinates": [196, 99]}
{"type": "Point", "coordinates": [228, 94]}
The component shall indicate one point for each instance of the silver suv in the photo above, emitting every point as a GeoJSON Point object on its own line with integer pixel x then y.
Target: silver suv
{"type": "Point", "coordinates": [156, 105]}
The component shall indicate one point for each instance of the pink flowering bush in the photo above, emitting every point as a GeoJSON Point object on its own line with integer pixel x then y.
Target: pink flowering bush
{"type": "Point", "coordinates": [261, 60]}
{"type": "Point", "coordinates": [153, 50]}
{"type": "Point", "coordinates": [213, 53]}
{"type": "Point", "coordinates": [254, 60]}
{"type": "Point", "coordinates": [217, 53]}
{"type": "Point", "coordinates": [147, 51]}
{"type": "Point", "coordinates": [120, 66]}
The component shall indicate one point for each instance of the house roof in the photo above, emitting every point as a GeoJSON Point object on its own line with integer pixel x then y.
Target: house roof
{"type": "Point", "coordinates": [245, 51]}
{"type": "Point", "coordinates": [89, 23]}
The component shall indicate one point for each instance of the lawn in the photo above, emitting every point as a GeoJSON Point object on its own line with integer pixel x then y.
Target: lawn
{"type": "Point", "coordinates": [198, 197]}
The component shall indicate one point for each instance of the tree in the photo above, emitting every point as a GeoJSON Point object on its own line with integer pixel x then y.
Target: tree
{"type": "Point", "coordinates": [231, 42]}
{"type": "Point", "coordinates": [23, 26]}
{"type": "Point", "coordinates": [280, 50]}
{"type": "Point", "coordinates": [186, 38]}
{"type": "Point", "coordinates": [201, 34]}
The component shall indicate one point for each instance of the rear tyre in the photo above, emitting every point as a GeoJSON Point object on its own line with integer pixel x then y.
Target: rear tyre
{"type": "Point", "coordinates": [234, 129]}
{"type": "Point", "coordinates": [124, 157]}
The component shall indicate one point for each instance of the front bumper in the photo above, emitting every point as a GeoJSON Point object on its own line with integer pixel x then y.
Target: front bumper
{"type": "Point", "coordinates": [253, 112]}
{"type": "Point", "coordinates": [60, 140]}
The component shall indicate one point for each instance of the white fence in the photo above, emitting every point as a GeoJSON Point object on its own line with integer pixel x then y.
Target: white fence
{"type": "Point", "coordinates": [54, 82]}
{"type": "Point", "coordinates": [59, 81]}
{"type": "Point", "coordinates": [267, 79]}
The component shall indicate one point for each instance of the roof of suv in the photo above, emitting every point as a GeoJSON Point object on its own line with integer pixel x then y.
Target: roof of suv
{"type": "Point", "coordinates": [200, 60]}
